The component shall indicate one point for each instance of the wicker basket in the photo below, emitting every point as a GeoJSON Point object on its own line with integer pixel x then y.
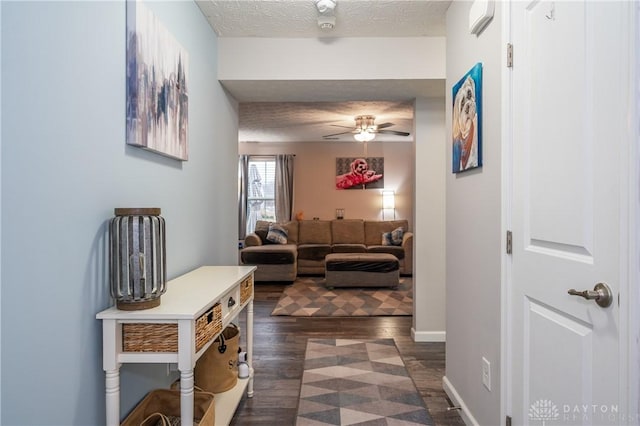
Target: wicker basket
{"type": "Point", "coordinates": [208, 325]}
{"type": "Point", "coordinates": [167, 403]}
{"type": "Point", "coordinates": [246, 290]}
{"type": "Point", "coordinates": [149, 337]}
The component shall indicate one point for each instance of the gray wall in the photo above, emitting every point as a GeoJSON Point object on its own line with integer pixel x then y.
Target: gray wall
{"type": "Point", "coordinates": [65, 167]}
{"type": "Point", "coordinates": [474, 233]}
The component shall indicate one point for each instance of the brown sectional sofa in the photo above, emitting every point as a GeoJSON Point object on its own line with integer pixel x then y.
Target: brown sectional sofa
{"type": "Point", "coordinates": [309, 241]}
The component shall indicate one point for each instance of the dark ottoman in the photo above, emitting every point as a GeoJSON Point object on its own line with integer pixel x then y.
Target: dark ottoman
{"type": "Point", "coordinates": [362, 270]}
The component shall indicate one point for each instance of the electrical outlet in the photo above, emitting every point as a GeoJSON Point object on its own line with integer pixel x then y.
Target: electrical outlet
{"type": "Point", "coordinates": [486, 373]}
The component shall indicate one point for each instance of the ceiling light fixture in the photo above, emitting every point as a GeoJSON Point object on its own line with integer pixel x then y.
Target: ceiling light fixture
{"type": "Point", "coordinates": [364, 136]}
{"type": "Point", "coordinates": [365, 128]}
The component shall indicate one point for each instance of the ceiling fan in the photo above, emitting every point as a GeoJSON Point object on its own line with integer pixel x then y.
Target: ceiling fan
{"type": "Point", "coordinates": [365, 129]}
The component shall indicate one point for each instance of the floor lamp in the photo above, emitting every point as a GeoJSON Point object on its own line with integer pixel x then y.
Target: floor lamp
{"type": "Point", "coordinates": [388, 205]}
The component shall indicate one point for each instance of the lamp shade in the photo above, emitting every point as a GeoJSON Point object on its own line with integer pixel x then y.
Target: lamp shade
{"type": "Point", "coordinates": [388, 199]}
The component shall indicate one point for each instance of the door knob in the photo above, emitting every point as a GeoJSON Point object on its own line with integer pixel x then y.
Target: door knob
{"type": "Point", "coordinates": [601, 293]}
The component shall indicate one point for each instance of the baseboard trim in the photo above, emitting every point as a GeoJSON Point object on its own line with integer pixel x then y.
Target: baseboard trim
{"type": "Point", "coordinates": [428, 336]}
{"type": "Point", "coordinates": [457, 401]}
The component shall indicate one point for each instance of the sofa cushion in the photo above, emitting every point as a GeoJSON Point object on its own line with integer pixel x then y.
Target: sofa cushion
{"type": "Point", "coordinates": [313, 251]}
{"type": "Point", "coordinates": [348, 248]}
{"type": "Point", "coordinates": [277, 234]}
{"type": "Point", "coordinates": [314, 232]}
{"type": "Point", "coordinates": [272, 254]}
{"type": "Point", "coordinates": [347, 231]}
{"type": "Point", "coordinates": [397, 251]}
{"type": "Point", "coordinates": [373, 229]}
{"type": "Point", "coordinates": [292, 231]}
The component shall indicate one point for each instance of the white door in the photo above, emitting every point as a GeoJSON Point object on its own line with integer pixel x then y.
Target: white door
{"type": "Point", "coordinates": [569, 97]}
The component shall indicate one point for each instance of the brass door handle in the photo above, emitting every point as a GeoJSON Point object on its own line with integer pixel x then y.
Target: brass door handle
{"type": "Point", "coordinates": [601, 293]}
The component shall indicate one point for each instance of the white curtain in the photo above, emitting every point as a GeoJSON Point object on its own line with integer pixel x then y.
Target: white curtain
{"type": "Point", "coordinates": [255, 190]}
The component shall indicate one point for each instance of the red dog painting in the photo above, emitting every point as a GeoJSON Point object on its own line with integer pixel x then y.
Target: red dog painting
{"type": "Point", "coordinates": [359, 175]}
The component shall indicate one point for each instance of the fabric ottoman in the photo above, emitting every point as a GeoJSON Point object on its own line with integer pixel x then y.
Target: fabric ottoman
{"type": "Point", "coordinates": [362, 270]}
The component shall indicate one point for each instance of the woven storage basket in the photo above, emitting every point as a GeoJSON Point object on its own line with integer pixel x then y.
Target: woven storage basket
{"type": "Point", "coordinates": [246, 290]}
{"type": "Point", "coordinates": [148, 337]}
{"type": "Point", "coordinates": [167, 403]}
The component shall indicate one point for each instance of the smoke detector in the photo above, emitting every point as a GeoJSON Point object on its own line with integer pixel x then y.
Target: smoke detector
{"type": "Point", "coordinates": [326, 22]}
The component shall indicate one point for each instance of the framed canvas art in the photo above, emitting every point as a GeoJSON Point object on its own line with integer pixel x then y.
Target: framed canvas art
{"type": "Point", "coordinates": [466, 119]}
{"type": "Point", "coordinates": [359, 173]}
{"type": "Point", "coordinates": [157, 95]}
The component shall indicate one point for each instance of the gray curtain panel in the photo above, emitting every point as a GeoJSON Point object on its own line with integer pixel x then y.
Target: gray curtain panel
{"type": "Point", "coordinates": [284, 187]}
{"type": "Point", "coordinates": [243, 165]}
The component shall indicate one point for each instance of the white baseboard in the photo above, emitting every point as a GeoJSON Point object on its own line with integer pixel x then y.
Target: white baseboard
{"type": "Point", "coordinates": [428, 336]}
{"type": "Point", "coordinates": [457, 401]}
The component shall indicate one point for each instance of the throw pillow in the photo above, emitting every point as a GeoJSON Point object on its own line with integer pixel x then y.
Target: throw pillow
{"type": "Point", "coordinates": [386, 239]}
{"type": "Point", "coordinates": [261, 230]}
{"type": "Point", "coordinates": [277, 234]}
{"type": "Point", "coordinates": [396, 236]}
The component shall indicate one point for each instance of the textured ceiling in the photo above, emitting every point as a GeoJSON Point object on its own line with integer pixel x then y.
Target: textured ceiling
{"type": "Point", "coordinates": [309, 121]}
{"type": "Point", "coordinates": [298, 18]}
{"type": "Point", "coordinates": [284, 113]}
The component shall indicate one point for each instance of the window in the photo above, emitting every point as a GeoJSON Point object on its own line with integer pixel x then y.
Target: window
{"type": "Point", "coordinates": [261, 192]}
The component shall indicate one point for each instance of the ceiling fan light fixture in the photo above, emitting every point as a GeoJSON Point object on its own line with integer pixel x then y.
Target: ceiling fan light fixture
{"type": "Point", "coordinates": [366, 129]}
{"type": "Point", "coordinates": [364, 136]}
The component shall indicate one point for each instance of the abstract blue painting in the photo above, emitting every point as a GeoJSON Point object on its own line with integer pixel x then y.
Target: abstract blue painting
{"type": "Point", "coordinates": [157, 95]}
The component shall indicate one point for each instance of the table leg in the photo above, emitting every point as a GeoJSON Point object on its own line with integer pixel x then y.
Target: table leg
{"type": "Point", "coordinates": [186, 397]}
{"type": "Point", "coordinates": [250, 346]}
{"type": "Point", "coordinates": [112, 393]}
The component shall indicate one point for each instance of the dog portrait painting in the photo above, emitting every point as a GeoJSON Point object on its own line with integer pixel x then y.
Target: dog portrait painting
{"type": "Point", "coordinates": [359, 173]}
{"type": "Point", "coordinates": [466, 120]}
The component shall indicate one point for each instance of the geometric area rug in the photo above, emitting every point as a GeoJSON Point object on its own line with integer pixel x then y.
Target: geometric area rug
{"type": "Point", "coordinates": [309, 297]}
{"type": "Point", "coordinates": [358, 382]}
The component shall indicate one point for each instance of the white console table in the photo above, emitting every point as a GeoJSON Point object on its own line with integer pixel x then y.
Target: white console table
{"type": "Point", "coordinates": [187, 298]}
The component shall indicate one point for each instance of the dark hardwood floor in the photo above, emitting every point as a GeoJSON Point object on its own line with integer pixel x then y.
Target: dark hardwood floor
{"type": "Point", "coordinates": [279, 347]}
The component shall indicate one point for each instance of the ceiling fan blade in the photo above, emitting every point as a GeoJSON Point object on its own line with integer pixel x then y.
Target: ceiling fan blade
{"type": "Point", "coordinates": [384, 125]}
{"type": "Point", "coordinates": [393, 132]}
{"type": "Point", "coordinates": [336, 134]}
{"type": "Point", "coordinates": [337, 125]}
